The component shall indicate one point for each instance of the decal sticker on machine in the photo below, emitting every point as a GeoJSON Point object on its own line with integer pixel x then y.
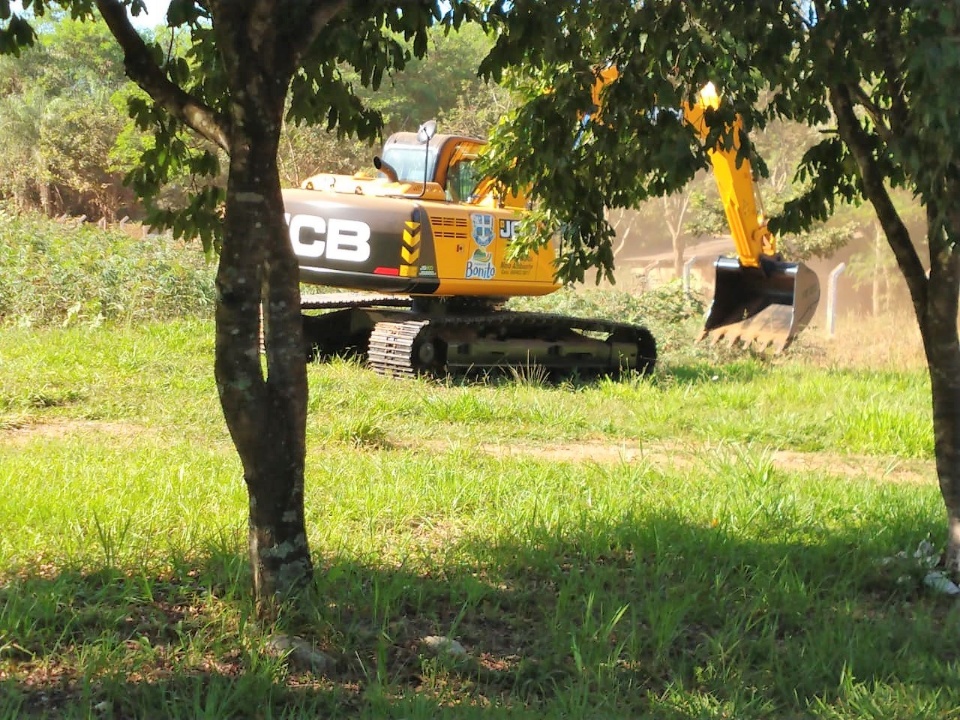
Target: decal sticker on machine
{"type": "Point", "coordinates": [516, 268]}
{"type": "Point", "coordinates": [507, 229]}
{"type": "Point", "coordinates": [410, 249]}
{"type": "Point", "coordinates": [334, 239]}
{"type": "Point", "coordinates": [480, 263]}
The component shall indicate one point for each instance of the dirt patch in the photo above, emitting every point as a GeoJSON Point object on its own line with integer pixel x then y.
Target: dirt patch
{"type": "Point", "coordinates": [667, 456]}
{"type": "Point", "coordinates": [22, 431]}
{"type": "Point", "coordinates": [664, 456]}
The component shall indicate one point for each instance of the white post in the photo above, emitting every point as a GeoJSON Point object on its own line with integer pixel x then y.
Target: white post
{"type": "Point", "coordinates": [832, 298]}
{"type": "Point", "coordinates": [687, 268]}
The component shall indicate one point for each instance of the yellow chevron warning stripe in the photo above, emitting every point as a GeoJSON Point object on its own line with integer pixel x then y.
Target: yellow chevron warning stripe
{"type": "Point", "coordinates": [411, 233]}
{"type": "Point", "coordinates": [410, 250]}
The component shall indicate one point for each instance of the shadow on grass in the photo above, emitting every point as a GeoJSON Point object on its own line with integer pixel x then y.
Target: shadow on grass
{"type": "Point", "coordinates": [650, 617]}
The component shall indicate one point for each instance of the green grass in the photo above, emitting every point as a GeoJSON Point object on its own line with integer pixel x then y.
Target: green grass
{"type": "Point", "coordinates": [721, 540]}
{"type": "Point", "coordinates": [706, 543]}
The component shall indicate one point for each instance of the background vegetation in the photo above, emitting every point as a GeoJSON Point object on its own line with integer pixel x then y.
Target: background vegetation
{"type": "Point", "coordinates": [69, 145]}
{"type": "Point", "coordinates": [62, 272]}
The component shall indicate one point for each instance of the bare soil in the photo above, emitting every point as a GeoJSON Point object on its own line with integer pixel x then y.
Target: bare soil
{"type": "Point", "coordinates": [666, 456]}
{"type": "Point", "coordinates": [14, 432]}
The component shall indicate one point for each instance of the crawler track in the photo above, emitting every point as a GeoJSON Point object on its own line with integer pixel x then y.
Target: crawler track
{"type": "Point", "coordinates": [398, 341]}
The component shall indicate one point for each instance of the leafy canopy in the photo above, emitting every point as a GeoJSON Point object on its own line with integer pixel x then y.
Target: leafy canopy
{"type": "Point", "coordinates": [364, 43]}
{"type": "Point", "coordinates": [773, 59]}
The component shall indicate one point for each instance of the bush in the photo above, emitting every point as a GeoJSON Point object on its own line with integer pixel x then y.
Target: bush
{"type": "Point", "coordinates": [60, 272]}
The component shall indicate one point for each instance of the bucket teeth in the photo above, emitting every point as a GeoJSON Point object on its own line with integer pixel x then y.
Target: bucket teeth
{"type": "Point", "coordinates": [771, 327]}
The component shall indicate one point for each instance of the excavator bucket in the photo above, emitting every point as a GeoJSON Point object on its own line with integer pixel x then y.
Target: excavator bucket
{"type": "Point", "coordinates": [762, 306]}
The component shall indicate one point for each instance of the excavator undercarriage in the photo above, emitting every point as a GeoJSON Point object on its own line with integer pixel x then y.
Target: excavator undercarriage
{"type": "Point", "coordinates": [402, 336]}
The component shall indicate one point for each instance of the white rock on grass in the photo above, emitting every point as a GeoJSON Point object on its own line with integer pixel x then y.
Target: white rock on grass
{"type": "Point", "coordinates": [440, 645]}
{"type": "Point", "coordinates": [941, 583]}
{"type": "Point", "coordinates": [298, 653]}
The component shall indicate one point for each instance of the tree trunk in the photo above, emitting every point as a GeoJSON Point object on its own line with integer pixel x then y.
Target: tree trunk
{"type": "Point", "coordinates": [679, 246]}
{"type": "Point", "coordinates": [944, 366]}
{"type": "Point", "coordinates": [935, 302]}
{"type": "Point", "coordinates": [45, 204]}
{"type": "Point", "coordinates": [674, 210]}
{"type": "Point", "coordinates": [266, 416]}
{"type": "Point", "coordinates": [877, 269]}
{"type": "Point", "coordinates": [259, 46]}
{"type": "Point", "coordinates": [941, 344]}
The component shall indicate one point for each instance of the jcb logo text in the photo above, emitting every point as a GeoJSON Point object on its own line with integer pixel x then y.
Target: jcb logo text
{"type": "Point", "coordinates": [335, 239]}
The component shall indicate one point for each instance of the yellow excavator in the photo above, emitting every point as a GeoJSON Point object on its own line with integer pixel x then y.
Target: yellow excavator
{"type": "Point", "coordinates": [427, 242]}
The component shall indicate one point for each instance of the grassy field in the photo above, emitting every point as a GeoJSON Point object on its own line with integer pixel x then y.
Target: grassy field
{"type": "Point", "coordinates": [733, 537]}
{"type": "Point", "coordinates": [712, 542]}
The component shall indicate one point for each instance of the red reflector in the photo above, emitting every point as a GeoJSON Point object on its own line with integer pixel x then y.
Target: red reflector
{"type": "Point", "coordinates": [386, 271]}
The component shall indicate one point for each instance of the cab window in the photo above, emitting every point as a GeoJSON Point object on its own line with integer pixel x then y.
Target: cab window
{"type": "Point", "coordinates": [462, 180]}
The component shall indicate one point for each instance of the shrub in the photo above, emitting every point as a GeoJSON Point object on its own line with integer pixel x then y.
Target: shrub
{"type": "Point", "coordinates": [60, 272]}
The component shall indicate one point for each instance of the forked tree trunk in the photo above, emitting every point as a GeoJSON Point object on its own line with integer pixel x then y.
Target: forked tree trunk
{"type": "Point", "coordinates": [259, 46]}
{"type": "Point", "coordinates": [266, 415]}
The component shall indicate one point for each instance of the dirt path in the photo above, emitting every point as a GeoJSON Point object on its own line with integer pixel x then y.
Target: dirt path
{"type": "Point", "coordinates": [662, 455]}
{"type": "Point", "coordinates": [666, 455]}
{"type": "Point", "coordinates": [22, 432]}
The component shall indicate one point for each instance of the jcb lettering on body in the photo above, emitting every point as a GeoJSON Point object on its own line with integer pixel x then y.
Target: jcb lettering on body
{"type": "Point", "coordinates": [335, 239]}
{"type": "Point", "coordinates": [507, 228]}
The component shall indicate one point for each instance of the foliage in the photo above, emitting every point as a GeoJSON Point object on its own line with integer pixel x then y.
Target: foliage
{"type": "Point", "coordinates": [442, 85]}
{"type": "Point", "coordinates": [59, 122]}
{"type": "Point", "coordinates": [772, 63]}
{"type": "Point", "coordinates": [61, 273]}
{"type": "Point", "coordinates": [433, 84]}
{"type": "Point", "coordinates": [180, 178]}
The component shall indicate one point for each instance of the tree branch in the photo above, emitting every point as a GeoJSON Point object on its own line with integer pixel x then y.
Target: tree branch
{"type": "Point", "coordinates": [875, 113]}
{"type": "Point", "coordinates": [899, 113]}
{"type": "Point", "coordinates": [141, 68]}
{"type": "Point", "coordinates": [875, 191]}
{"type": "Point", "coordinates": [320, 13]}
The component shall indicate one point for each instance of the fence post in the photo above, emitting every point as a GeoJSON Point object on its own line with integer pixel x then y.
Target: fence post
{"type": "Point", "coordinates": [687, 268]}
{"type": "Point", "coordinates": [832, 298]}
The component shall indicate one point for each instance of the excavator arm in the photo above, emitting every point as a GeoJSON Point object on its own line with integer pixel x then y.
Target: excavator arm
{"type": "Point", "coordinates": [759, 299]}
{"type": "Point", "coordinates": [735, 182]}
